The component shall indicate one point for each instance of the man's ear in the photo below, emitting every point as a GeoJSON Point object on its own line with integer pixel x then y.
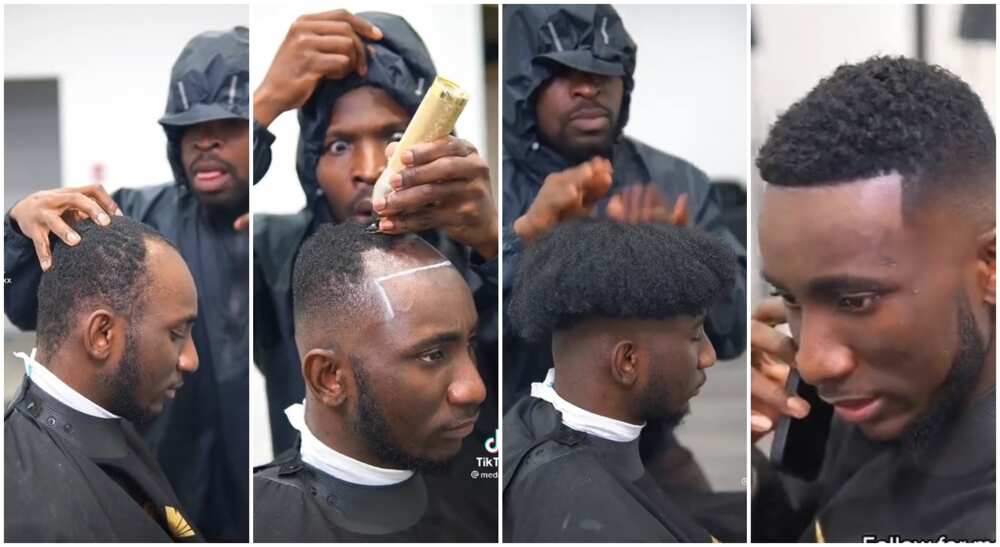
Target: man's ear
{"type": "Point", "coordinates": [986, 261]}
{"type": "Point", "coordinates": [99, 336]}
{"type": "Point", "coordinates": [327, 373]}
{"type": "Point", "coordinates": [625, 362]}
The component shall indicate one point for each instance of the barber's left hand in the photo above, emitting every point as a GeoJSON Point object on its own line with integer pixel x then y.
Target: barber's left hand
{"type": "Point", "coordinates": [444, 184]}
{"type": "Point", "coordinates": [642, 203]}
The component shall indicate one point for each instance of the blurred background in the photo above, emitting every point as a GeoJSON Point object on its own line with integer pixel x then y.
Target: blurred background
{"type": "Point", "coordinates": [83, 88]}
{"type": "Point", "coordinates": [795, 46]}
{"type": "Point", "coordinates": [463, 43]}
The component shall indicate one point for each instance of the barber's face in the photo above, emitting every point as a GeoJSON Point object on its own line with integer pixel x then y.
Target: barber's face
{"type": "Point", "coordinates": [363, 122]}
{"type": "Point", "coordinates": [217, 163]}
{"type": "Point", "coordinates": [677, 351]}
{"type": "Point", "coordinates": [577, 112]}
{"type": "Point", "coordinates": [420, 387]}
{"type": "Point", "coordinates": [159, 350]}
{"type": "Point", "coordinates": [874, 304]}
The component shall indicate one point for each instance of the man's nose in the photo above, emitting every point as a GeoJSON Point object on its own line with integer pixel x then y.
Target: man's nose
{"type": "Point", "coordinates": [188, 360]}
{"type": "Point", "coordinates": [369, 161]}
{"type": "Point", "coordinates": [467, 388]}
{"type": "Point", "coordinates": [822, 355]}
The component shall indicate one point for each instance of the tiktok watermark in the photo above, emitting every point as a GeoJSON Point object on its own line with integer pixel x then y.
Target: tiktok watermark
{"type": "Point", "coordinates": [488, 467]}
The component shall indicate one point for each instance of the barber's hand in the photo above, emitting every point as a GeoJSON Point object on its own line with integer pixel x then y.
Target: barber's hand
{"type": "Point", "coordinates": [771, 353]}
{"type": "Point", "coordinates": [55, 211]}
{"type": "Point", "coordinates": [444, 184]}
{"type": "Point", "coordinates": [242, 222]}
{"type": "Point", "coordinates": [641, 203]}
{"type": "Point", "coordinates": [565, 195]}
{"type": "Point", "coordinates": [319, 45]}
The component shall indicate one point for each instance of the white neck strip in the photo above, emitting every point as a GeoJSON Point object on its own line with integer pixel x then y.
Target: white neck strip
{"type": "Point", "coordinates": [59, 390]}
{"type": "Point", "coordinates": [579, 419]}
{"type": "Point", "coordinates": [331, 462]}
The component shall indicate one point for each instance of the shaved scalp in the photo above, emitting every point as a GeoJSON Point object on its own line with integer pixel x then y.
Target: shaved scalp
{"type": "Point", "coordinates": [107, 268]}
{"type": "Point", "coordinates": [602, 269]}
{"type": "Point", "coordinates": [885, 115]}
{"type": "Point", "coordinates": [337, 276]}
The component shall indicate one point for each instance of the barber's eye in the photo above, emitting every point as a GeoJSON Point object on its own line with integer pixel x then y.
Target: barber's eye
{"type": "Point", "coordinates": [432, 356]}
{"type": "Point", "coordinates": [858, 303]}
{"type": "Point", "coordinates": [789, 300]}
{"type": "Point", "coordinates": [396, 136]}
{"type": "Point", "coordinates": [338, 146]}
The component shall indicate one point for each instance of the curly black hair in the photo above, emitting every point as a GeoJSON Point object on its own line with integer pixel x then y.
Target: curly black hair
{"type": "Point", "coordinates": [884, 115]}
{"type": "Point", "coordinates": [598, 268]}
{"type": "Point", "coordinates": [106, 268]}
{"type": "Point", "coordinates": [330, 268]}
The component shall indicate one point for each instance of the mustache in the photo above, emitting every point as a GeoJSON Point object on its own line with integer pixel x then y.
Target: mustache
{"type": "Point", "coordinates": [586, 104]}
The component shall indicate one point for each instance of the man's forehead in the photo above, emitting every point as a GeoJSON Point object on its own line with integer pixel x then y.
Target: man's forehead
{"type": "Point", "coordinates": [851, 227]}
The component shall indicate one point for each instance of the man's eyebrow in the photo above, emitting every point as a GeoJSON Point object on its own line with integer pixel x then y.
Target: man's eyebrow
{"type": "Point", "coordinates": [437, 339]}
{"type": "Point", "coordinates": [187, 319]}
{"type": "Point", "coordinates": [352, 131]}
{"type": "Point", "coordinates": [842, 283]}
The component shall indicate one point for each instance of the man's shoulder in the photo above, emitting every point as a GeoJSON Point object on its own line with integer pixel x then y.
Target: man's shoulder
{"type": "Point", "coordinates": [660, 163]}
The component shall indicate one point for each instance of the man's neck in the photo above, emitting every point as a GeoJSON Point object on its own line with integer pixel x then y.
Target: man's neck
{"type": "Point", "coordinates": [75, 373]}
{"type": "Point", "coordinates": [580, 393]}
{"type": "Point", "coordinates": [331, 431]}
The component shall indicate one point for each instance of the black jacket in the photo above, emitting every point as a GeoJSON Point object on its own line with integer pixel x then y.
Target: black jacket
{"type": "Point", "coordinates": [881, 490]}
{"type": "Point", "coordinates": [70, 477]}
{"type": "Point", "coordinates": [589, 38]}
{"type": "Point", "coordinates": [401, 65]}
{"type": "Point", "coordinates": [202, 437]}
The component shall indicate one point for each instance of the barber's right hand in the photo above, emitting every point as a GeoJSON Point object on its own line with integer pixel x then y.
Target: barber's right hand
{"type": "Point", "coordinates": [771, 354]}
{"type": "Point", "coordinates": [565, 195]}
{"type": "Point", "coordinates": [55, 211]}
{"type": "Point", "coordinates": [319, 45]}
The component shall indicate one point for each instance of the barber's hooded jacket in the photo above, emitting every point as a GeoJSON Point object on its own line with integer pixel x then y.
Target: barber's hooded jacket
{"type": "Point", "coordinates": [400, 65]}
{"type": "Point", "coordinates": [589, 38]}
{"type": "Point", "coordinates": [201, 439]}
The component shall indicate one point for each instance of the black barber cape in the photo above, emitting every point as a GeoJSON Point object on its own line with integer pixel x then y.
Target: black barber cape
{"type": "Point", "coordinates": [562, 485]}
{"type": "Point", "coordinates": [881, 491]}
{"type": "Point", "coordinates": [295, 502]}
{"type": "Point", "coordinates": [70, 477]}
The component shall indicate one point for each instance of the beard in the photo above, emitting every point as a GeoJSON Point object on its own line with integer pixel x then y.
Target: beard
{"type": "Point", "coordinates": [660, 402]}
{"type": "Point", "coordinates": [372, 426]}
{"type": "Point", "coordinates": [957, 388]}
{"type": "Point", "coordinates": [123, 385]}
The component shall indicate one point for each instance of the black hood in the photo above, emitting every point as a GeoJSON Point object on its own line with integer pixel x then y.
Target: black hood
{"type": "Point", "coordinates": [590, 38]}
{"type": "Point", "coordinates": [209, 81]}
{"type": "Point", "coordinates": [399, 63]}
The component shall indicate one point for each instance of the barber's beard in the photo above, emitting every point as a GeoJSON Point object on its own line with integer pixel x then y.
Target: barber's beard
{"type": "Point", "coordinates": [123, 385]}
{"type": "Point", "coordinates": [372, 426]}
{"type": "Point", "coordinates": [957, 388]}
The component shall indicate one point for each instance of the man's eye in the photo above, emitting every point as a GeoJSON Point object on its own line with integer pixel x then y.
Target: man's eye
{"type": "Point", "coordinates": [432, 356]}
{"type": "Point", "coordinates": [338, 146]}
{"type": "Point", "coordinates": [176, 335]}
{"type": "Point", "coordinates": [858, 303]}
{"type": "Point", "coordinates": [788, 299]}
{"type": "Point", "coordinates": [396, 136]}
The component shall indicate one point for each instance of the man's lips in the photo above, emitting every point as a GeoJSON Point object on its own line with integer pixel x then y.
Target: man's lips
{"type": "Point", "coordinates": [856, 409]}
{"type": "Point", "coordinates": [460, 429]}
{"type": "Point", "coordinates": [209, 176]}
{"type": "Point", "coordinates": [590, 119]}
{"type": "Point", "coordinates": [172, 391]}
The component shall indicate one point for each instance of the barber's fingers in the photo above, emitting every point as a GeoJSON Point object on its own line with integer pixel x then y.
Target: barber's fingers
{"type": "Point", "coordinates": [100, 195]}
{"type": "Point", "coordinates": [766, 339]}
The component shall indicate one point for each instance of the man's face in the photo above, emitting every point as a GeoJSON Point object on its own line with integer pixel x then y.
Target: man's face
{"type": "Point", "coordinates": [874, 304]}
{"type": "Point", "coordinates": [419, 387]}
{"type": "Point", "coordinates": [158, 348]}
{"type": "Point", "coordinates": [677, 351]}
{"type": "Point", "coordinates": [577, 112]}
{"type": "Point", "coordinates": [217, 163]}
{"type": "Point", "coordinates": [363, 122]}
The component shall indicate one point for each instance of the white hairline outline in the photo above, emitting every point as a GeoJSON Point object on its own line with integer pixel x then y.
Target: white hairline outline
{"type": "Point", "coordinates": [381, 290]}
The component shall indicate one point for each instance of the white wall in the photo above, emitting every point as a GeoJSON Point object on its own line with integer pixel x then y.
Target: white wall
{"type": "Point", "coordinates": [690, 90]}
{"type": "Point", "coordinates": [453, 34]}
{"type": "Point", "coordinates": [113, 65]}
{"type": "Point", "coordinates": [799, 45]}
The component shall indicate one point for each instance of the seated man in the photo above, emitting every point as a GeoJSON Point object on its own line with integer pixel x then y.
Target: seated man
{"type": "Point", "coordinates": [878, 233]}
{"type": "Point", "coordinates": [115, 313]}
{"type": "Point", "coordinates": [386, 330]}
{"type": "Point", "coordinates": [625, 305]}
